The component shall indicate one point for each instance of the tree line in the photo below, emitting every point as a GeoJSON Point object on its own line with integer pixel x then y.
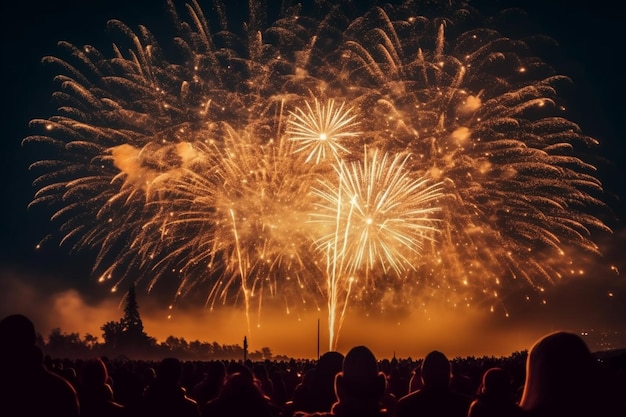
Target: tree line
{"type": "Point", "coordinates": [127, 338]}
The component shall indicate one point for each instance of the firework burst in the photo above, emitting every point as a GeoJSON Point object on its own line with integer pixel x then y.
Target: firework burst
{"type": "Point", "coordinates": [373, 217]}
{"type": "Point", "coordinates": [321, 130]}
{"type": "Point", "coordinates": [375, 214]}
{"type": "Point", "coordinates": [241, 165]}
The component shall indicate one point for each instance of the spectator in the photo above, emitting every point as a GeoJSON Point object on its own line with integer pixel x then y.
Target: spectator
{"type": "Point", "coordinates": [496, 396]}
{"type": "Point", "coordinates": [359, 387]}
{"type": "Point", "coordinates": [435, 397]}
{"type": "Point", "coordinates": [317, 390]}
{"type": "Point", "coordinates": [27, 388]}
{"type": "Point", "coordinates": [211, 384]}
{"type": "Point", "coordinates": [562, 379]}
{"type": "Point", "coordinates": [262, 376]}
{"type": "Point", "coordinates": [166, 397]}
{"type": "Point", "coordinates": [95, 394]}
{"type": "Point", "coordinates": [241, 395]}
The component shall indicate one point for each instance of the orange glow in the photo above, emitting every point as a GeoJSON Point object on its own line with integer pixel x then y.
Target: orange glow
{"type": "Point", "coordinates": [342, 181]}
{"type": "Point", "coordinates": [457, 331]}
{"type": "Point", "coordinates": [291, 335]}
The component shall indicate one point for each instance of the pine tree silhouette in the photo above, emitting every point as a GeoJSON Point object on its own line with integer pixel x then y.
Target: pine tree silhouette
{"type": "Point", "coordinates": [132, 326]}
{"type": "Point", "coordinates": [133, 336]}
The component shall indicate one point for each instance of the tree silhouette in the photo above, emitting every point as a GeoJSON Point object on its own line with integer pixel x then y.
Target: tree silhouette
{"type": "Point", "coordinates": [63, 342]}
{"type": "Point", "coordinates": [127, 335]}
{"type": "Point", "coordinates": [112, 334]}
{"type": "Point", "coordinates": [90, 341]}
{"type": "Point", "coordinates": [132, 326]}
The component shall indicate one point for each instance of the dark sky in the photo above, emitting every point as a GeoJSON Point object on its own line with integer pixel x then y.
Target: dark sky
{"type": "Point", "coordinates": [590, 34]}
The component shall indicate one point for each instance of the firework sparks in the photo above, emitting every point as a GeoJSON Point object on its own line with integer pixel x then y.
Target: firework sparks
{"type": "Point", "coordinates": [382, 215]}
{"type": "Point", "coordinates": [241, 165]}
{"type": "Point", "coordinates": [321, 130]}
{"type": "Point", "coordinates": [374, 217]}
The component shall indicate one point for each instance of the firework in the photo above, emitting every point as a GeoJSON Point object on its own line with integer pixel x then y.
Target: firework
{"type": "Point", "coordinates": [373, 217]}
{"type": "Point", "coordinates": [319, 158]}
{"type": "Point", "coordinates": [380, 216]}
{"type": "Point", "coordinates": [321, 130]}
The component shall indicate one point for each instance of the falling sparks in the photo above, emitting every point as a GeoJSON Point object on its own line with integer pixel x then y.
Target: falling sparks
{"type": "Point", "coordinates": [316, 161]}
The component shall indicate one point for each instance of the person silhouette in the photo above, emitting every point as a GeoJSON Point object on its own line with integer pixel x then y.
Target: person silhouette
{"type": "Point", "coordinates": [262, 376]}
{"type": "Point", "coordinates": [359, 387]}
{"type": "Point", "coordinates": [165, 396]}
{"type": "Point", "coordinates": [563, 379]}
{"type": "Point", "coordinates": [241, 395]}
{"type": "Point", "coordinates": [27, 388]}
{"type": "Point", "coordinates": [211, 384]}
{"type": "Point", "coordinates": [317, 390]}
{"type": "Point", "coordinates": [435, 397]}
{"type": "Point", "coordinates": [95, 393]}
{"type": "Point", "coordinates": [496, 396]}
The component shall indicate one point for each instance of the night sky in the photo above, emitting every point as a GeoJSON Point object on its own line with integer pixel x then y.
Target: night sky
{"type": "Point", "coordinates": [55, 288]}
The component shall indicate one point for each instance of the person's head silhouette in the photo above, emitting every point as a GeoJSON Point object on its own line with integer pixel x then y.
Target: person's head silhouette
{"type": "Point", "coordinates": [559, 373]}
{"type": "Point", "coordinates": [436, 370]}
{"type": "Point", "coordinates": [18, 343]}
{"type": "Point", "coordinates": [497, 382]}
{"type": "Point", "coordinates": [360, 377]}
{"type": "Point", "coordinates": [170, 371]}
{"type": "Point", "coordinates": [17, 332]}
{"type": "Point", "coordinates": [29, 389]}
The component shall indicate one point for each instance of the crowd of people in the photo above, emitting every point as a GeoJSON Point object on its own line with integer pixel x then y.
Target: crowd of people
{"type": "Point", "coordinates": [559, 376]}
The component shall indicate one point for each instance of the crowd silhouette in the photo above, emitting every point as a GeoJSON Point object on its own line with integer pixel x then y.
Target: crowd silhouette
{"type": "Point", "coordinates": [558, 377]}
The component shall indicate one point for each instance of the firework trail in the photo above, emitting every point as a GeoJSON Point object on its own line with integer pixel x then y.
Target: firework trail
{"type": "Point", "coordinates": [373, 218]}
{"type": "Point", "coordinates": [319, 158]}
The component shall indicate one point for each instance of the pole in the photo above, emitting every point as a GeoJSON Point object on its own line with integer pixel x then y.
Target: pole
{"type": "Point", "coordinates": [318, 339]}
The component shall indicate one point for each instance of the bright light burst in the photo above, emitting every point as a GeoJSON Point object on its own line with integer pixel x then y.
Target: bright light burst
{"type": "Point", "coordinates": [319, 158]}
{"type": "Point", "coordinates": [321, 130]}
{"type": "Point", "coordinates": [374, 215]}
